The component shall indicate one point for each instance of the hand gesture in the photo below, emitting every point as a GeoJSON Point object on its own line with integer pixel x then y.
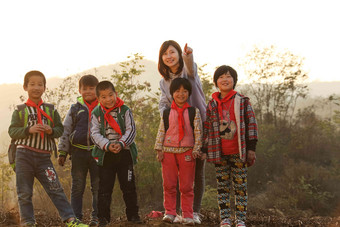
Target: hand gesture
{"type": "Point", "coordinates": [160, 156]}
{"type": "Point", "coordinates": [37, 128]}
{"type": "Point", "coordinates": [115, 148]}
{"type": "Point", "coordinates": [48, 129]}
{"type": "Point", "coordinates": [187, 50]}
{"type": "Point", "coordinates": [251, 157]}
{"type": "Point", "coordinates": [61, 160]}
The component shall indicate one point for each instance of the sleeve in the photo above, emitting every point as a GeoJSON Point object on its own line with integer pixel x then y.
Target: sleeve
{"type": "Point", "coordinates": [130, 130]}
{"type": "Point", "coordinates": [160, 136]}
{"type": "Point", "coordinates": [251, 136]}
{"type": "Point", "coordinates": [98, 139]}
{"type": "Point", "coordinates": [58, 127]}
{"type": "Point", "coordinates": [64, 141]}
{"type": "Point", "coordinates": [197, 132]}
{"type": "Point", "coordinates": [164, 102]}
{"type": "Point", "coordinates": [16, 130]}
{"type": "Point", "coordinates": [189, 64]}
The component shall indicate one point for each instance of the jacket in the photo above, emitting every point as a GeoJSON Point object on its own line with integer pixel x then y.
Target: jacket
{"type": "Point", "coordinates": [246, 129]}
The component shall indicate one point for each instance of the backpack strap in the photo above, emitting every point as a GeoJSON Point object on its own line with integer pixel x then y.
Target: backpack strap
{"type": "Point", "coordinates": [74, 111]}
{"type": "Point", "coordinates": [166, 113]}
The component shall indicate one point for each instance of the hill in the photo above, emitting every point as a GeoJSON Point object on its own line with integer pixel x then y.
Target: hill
{"type": "Point", "coordinates": [12, 92]}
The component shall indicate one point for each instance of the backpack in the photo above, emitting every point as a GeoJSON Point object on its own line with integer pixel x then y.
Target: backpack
{"type": "Point", "coordinates": [23, 115]}
{"type": "Point", "coordinates": [166, 113]}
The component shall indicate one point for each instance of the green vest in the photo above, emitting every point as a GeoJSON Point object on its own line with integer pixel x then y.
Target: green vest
{"type": "Point", "coordinates": [98, 153]}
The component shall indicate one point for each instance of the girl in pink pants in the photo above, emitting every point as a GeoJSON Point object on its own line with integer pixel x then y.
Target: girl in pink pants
{"type": "Point", "coordinates": [178, 144]}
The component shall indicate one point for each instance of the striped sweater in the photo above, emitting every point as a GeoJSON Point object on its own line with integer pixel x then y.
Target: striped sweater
{"type": "Point", "coordinates": [19, 129]}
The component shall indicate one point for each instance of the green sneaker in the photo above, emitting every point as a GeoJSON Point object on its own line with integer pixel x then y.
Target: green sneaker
{"type": "Point", "coordinates": [75, 223]}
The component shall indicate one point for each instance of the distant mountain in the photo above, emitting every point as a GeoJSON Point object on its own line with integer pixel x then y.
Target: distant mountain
{"type": "Point", "coordinates": [12, 92]}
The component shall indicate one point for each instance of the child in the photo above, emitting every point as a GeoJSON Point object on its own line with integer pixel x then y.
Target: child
{"type": "Point", "coordinates": [172, 63]}
{"type": "Point", "coordinates": [35, 127]}
{"type": "Point", "coordinates": [76, 141]}
{"type": "Point", "coordinates": [178, 143]}
{"type": "Point", "coordinates": [113, 132]}
{"type": "Point", "coordinates": [230, 137]}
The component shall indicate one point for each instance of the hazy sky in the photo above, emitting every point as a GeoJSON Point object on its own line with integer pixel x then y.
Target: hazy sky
{"type": "Point", "coordinates": [61, 38]}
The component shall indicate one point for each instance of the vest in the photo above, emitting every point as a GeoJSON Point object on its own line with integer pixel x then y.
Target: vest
{"type": "Point", "coordinates": [171, 138]}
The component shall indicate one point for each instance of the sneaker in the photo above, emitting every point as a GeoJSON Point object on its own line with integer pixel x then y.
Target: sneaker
{"type": "Point", "coordinates": [75, 223]}
{"type": "Point", "coordinates": [188, 221]}
{"type": "Point", "coordinates": [178, 219]}
{"type": "Point", "coordinates": [169, 218]}
{"type": "Point", "coordinates": [94, 222]}
{"type": "Point", "coordinates": [240, 223]}
{"type": "Point", "coordinates": [197, 218]}
{"type": "Point", "coordinates": [225, 223]}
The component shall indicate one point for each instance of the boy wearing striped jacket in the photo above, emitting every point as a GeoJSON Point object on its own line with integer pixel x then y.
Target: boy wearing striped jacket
{"type": "Point", "coordinates": [34, 129]}
{"type": "Point", "coordinates": [113, 132]}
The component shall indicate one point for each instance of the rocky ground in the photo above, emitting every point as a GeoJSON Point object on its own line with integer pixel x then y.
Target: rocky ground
{"type": "Point", "coordinates": [263, 218]}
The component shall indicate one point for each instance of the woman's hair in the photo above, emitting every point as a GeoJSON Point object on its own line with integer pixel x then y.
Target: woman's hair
{"type": "Point", "coordinates": [162, 68]}
{"type": "Point", "coordinates": [178, 83]}
{"type": "Point", "coordinates": [33, 73]}
{"type": "Point", "coordinates": [223, 70]}
{"type": "Point", "coordinates": [103, 85]}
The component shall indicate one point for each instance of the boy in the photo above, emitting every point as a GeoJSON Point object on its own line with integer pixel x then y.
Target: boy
{"type": "Point", "coordinates": [113, 132]}
{"type": "Point", "coordinates": [230, 137]}
{"type": "Point", "coordinates": [35, 127]}
{"type": "Point", "coordinates": [178, 144]}
{"type": "Point", "coordinates": [76, 141]}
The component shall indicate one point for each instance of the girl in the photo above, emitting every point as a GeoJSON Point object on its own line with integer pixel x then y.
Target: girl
{"type": "Point", "coordinates": [231, 125]}
{"type": "Point", "coordinates": [174, 63]}
{"type": "Point", "coordinates": [178, 143]}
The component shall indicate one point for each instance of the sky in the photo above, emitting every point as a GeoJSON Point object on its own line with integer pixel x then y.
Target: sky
{"type": "Point", "coordinates": [61, 38]}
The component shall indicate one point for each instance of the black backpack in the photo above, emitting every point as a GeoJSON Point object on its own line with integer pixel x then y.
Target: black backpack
{"type": "Point", "coordinates": [166, 113]}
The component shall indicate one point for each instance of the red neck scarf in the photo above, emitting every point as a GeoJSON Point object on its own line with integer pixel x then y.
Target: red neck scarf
{"type": "Point", "coordinates": [108, 117]}
{"type": "Point", "coordinates": [39, 112]}
{"type": "Point", "coordinates": [180, 117]}
{"type": "Point", "coordinates": [91, 106]}
{"type": "Point", "coordinates": [216, 97]}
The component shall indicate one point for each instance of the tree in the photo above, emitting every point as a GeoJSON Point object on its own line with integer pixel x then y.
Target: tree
{"type": "Point", "coordinates": [207, 85]}
{"type": "Point", "coordinates": [275, 82]}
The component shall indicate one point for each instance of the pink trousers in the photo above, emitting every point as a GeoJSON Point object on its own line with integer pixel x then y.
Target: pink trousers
{"type": "Point", "coordinates": [182, 167]}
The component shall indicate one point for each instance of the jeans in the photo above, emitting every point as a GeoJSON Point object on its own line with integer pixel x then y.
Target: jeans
{"type": "Point", "coordinates": [30, 165]}
{"type": "Point", "coordinates": [82, 163]}
{"type": "Point", "coordinates": [121, 165]}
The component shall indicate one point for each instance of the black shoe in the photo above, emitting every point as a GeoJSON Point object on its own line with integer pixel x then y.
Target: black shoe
{"type": "Point", "coordinates": [135, 219]}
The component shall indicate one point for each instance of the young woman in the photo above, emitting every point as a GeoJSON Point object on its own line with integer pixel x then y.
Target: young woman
{"type": "Point", "coordinates": [173, 63]}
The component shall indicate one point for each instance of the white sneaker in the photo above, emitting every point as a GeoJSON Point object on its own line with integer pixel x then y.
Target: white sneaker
{"type": "Point", "coordinates": [225, 223]}
{"type": "Point", "coordinates": [178, 219]}
{"type": "Point", "coordinates": [188, 221]}
{"type": "Point", "coordinates": [240, 223]}
{"type": "Point", "coordinates": [169, 218]}
{"type": "Point", "coordinates": [197, 218]}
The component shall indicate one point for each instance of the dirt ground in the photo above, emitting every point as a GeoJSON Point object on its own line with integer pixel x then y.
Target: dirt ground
{"type": "Point", "coordinates": [264, 218]}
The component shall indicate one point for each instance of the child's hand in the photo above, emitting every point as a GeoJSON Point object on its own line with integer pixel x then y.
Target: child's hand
{"type": "Point", "coordinates": [117, 147]}
{"type": "Point", "coordinates": [187, 50]}
{"type": "Point", "coordinates": [160, 156]}
{"type": "Point", "coordinates": [37, 128]}
{"type": "Point", "coordinates": [61, 160]}
{"type": "Point", "coordinates": [48, 129]}
{"type": "Point", "coordinates": [251, 157]}
{"type": "Point", "coordinates": [195, 155]}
